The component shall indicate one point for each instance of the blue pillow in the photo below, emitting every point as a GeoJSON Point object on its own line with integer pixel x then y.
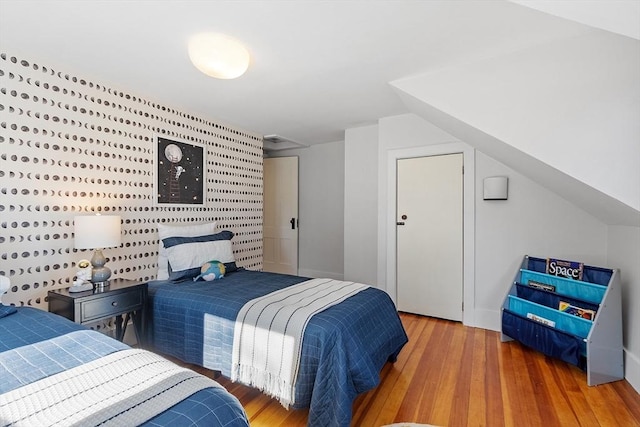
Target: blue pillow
{"type": "Point", "coordinates": [174, 241]}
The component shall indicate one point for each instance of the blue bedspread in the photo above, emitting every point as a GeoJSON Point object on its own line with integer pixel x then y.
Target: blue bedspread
{"type": "Point", "coordinates": [344, 347]}
{"type": "Point", "coordinates": [63, 344]}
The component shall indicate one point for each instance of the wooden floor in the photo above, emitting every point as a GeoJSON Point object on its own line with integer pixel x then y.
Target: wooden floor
{"type": "Point", "coordinates": [452, 375]}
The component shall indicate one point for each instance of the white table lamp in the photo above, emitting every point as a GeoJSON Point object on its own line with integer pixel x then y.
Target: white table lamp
{"type": "Point", "coordinates": [97, 232]}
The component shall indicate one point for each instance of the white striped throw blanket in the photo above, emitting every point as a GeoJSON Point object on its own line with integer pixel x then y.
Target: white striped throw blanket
{"type": "Point", "coordinates": [124, 388]}
{"type": "Point", "coordinates": [267, 340]}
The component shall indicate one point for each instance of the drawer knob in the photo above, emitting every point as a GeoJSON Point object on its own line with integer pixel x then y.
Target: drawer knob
{"type": "Point", "coordinates": [115, 303]}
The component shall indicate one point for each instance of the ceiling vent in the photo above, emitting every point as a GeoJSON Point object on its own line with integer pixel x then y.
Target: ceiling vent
{"type": "Point", "coordinates": [277, 142]}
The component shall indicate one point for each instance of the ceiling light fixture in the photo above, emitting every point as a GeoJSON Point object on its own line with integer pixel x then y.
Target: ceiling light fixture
{"type": "Point", "coordinates": [218, 55]}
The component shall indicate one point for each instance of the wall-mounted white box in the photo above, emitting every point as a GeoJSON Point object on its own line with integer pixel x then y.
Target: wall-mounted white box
{"type": "Point", "coordinates": [496, 188]}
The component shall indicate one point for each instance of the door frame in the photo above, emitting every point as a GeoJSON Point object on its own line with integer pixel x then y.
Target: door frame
{"type": "Point", "coordinates": [468, 218]}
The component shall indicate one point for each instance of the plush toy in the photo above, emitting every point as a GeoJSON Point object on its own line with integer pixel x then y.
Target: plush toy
{"type": "Point", "coordinates": [211, 270]}
{"type": "Point", "coordinates": [82, 279]}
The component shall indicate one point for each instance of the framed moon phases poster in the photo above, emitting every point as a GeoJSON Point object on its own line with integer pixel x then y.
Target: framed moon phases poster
{"type": "Point", "coordinates": [180, 168]}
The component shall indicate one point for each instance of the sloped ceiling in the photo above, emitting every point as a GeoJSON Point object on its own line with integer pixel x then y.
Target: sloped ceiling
{"type": "Point", "coordinates": [318, 67]}
{"type": "Point", "coordinates": [619, 17]}
{"type": "Point", "coordinates": [565, 113]}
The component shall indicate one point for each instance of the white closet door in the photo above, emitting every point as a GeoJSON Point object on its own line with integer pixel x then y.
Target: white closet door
{"type": "Point", "coordinates": [429, 232]}
{"type": "Point", "coordinates": [280, 215]}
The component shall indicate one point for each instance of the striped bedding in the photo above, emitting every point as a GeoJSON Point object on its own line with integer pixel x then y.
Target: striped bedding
{"type": "Point", "coordinates": [38, 348]}
{"type": "Point", "coordinates": [343, 350]}
{"type": "Point", "coordinates": [268, 334]}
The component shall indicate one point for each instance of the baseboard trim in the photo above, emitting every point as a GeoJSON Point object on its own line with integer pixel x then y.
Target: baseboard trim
{"type": "Point", "coordinates": [632, 370]}
{"type": "Point", "coordinates": [487, 319]}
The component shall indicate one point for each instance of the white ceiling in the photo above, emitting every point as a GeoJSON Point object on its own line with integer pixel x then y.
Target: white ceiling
{"type": "Point", "coordinates": [318, 67]}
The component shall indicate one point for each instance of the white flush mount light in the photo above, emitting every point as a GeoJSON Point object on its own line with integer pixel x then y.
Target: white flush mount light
{"type": "Point", "coordinates": [218, 55]}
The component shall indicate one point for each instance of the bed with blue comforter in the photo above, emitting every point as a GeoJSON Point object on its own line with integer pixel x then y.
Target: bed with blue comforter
{"type": "Point", "coordinates": [343, 351]}
{"type": "Point", "coordinates": [37, 346]}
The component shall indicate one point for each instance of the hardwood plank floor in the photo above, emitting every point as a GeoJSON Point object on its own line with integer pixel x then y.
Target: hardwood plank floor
{"type": "Point", "coordinates": [452, 375]}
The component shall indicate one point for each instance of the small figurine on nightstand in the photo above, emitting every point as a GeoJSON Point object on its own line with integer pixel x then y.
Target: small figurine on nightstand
{"type": "Point", "coordinates": [82, 280]}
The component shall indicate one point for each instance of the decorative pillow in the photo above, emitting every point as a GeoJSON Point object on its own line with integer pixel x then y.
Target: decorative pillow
{"type": "Point", "coordinates": [188, 254]}
{"type": "Point", "coordinates": [5, 310]}
{"type": "Point", "coordinates": [5, 284]}
{"type": "Point", "coordinates": [171, 230]}
{"type": "Point", "coordinates": [211, 270]}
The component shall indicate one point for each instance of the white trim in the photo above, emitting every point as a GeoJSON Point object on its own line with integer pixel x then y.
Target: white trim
{"type": "Point", "coordinates": [490, 320]}
{"type": "Point", "coordinates": [632, 369]}
{"type": "Point", "coordinates": [468, 315]}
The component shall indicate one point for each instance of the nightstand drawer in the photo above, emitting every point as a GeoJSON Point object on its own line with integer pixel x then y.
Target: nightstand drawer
{"type": "Point", "coordinates": [111, 305]}
{"type": "Point", "coordinates": [121, 296]}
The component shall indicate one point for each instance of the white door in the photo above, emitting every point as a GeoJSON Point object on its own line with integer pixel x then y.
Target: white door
{"type": "Point", "coordinates": [280, 221]}
{"type": "Point", "coordinates": [429, 236]}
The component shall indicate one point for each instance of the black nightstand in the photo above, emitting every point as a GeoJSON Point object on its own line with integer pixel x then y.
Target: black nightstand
{"type": "Point", "coordinates": [121, 297]}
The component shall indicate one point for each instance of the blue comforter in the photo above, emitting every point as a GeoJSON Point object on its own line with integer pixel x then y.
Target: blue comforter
{"type": "Point", "coordinates": [208, 407]}
{"type": "Point", "coordinates": [344, 347]}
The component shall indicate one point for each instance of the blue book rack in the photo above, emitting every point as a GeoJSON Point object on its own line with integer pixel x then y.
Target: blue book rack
{"type": "Point", "coordinates": [531, 315]}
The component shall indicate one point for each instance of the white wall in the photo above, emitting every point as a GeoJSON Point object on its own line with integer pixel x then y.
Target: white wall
{"type": "Point", "coordinates": [533, 221]}
{"type": "Point", "coordinates": [361, 205]}
{"type": "Point", "coordinates": [321, 209]}
{"type": "Point", "coordinates": [624, 253]}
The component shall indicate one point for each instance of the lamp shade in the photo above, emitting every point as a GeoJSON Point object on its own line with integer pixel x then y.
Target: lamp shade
{"type": "Point", "coordinates": [96, 231]}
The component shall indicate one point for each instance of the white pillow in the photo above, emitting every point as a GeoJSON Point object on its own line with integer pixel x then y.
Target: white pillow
{"type": "Point", "coordinates": [186, 259]}
{"type": "Point", "coordinates": [172, 230]}
{"type": "Point", "coordinates": [5, 284]}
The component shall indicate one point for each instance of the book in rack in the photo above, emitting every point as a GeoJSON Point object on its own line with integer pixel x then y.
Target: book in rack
{"type": "Point", "coordinates": [585, 313]}
{"type": "Point", "coordinates": [563, 268]}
